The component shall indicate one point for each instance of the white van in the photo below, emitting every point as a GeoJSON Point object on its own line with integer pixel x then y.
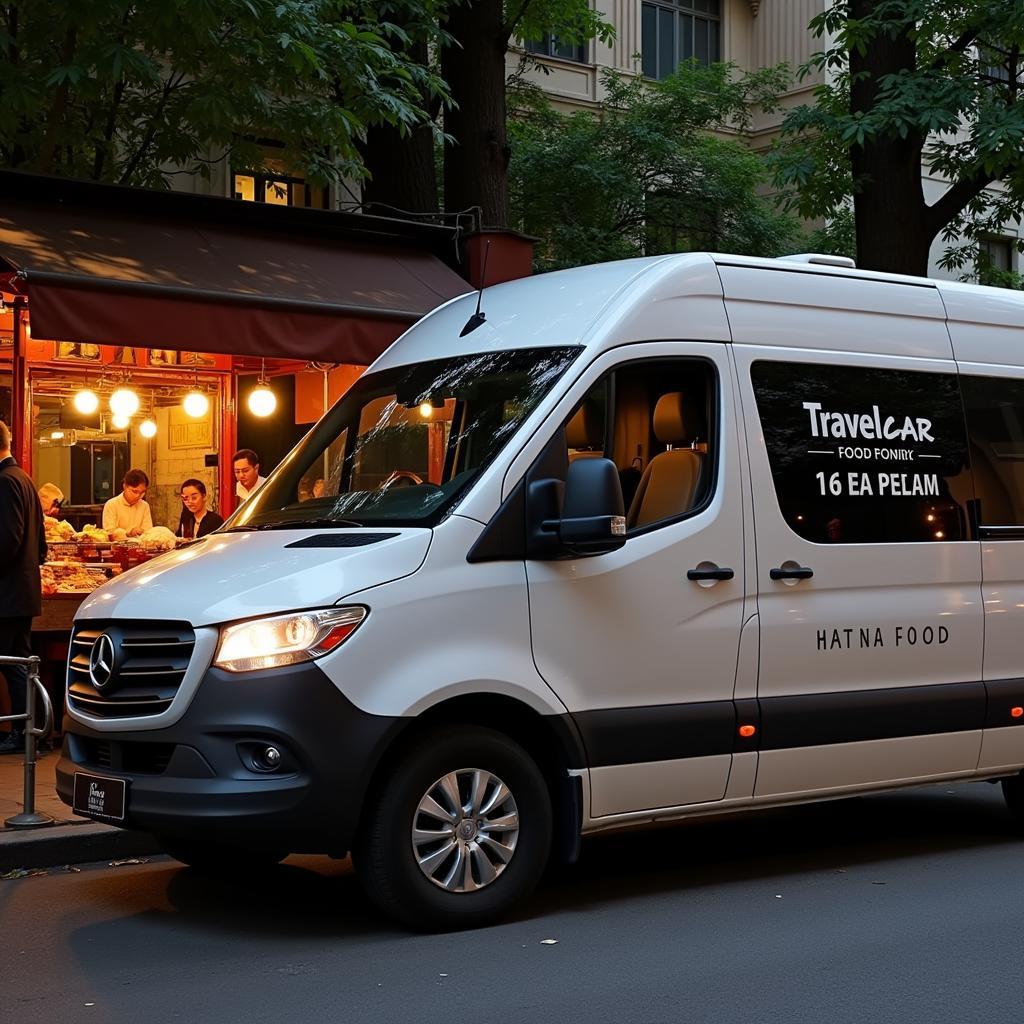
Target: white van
{"type": "Point", "coordinates": [661, 538]}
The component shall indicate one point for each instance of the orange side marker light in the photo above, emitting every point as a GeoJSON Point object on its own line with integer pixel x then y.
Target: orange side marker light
{"type": "Point", "coordinates": [1016, 712]}
{"type": "Point", "coordinates": [746, 731]}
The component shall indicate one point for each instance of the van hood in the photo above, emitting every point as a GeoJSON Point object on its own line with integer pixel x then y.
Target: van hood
{"type": "Point", "coordinates": [228, 576]}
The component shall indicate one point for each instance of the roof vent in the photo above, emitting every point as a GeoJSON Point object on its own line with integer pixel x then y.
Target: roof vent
{"type": "Point", "coordinates": [820, 259]}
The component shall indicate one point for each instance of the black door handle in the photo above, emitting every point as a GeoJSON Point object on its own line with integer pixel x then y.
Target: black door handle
{"type": "Point", "coordinates": [800, 572]}
{"type": "Point", "coordinates": [709, 574]}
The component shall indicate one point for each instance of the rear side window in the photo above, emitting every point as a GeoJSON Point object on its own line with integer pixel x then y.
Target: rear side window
{"type": "Point", "coordinates": [995, 424]}
{"type": "Point", "coordinates": [865, 455]}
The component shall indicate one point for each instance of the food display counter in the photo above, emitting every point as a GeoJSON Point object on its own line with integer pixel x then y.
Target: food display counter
{"type": "Point", "coordinates": [78, 561]}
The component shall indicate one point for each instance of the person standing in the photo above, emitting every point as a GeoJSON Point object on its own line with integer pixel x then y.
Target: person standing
{"type": "Point", "coordinates": [196, 519]}
{"type": "Point", "coordinates": [22, 551]}
{"type": "Point", "coordinates": [246, 464]}
{"type": "Point", "coordinates": [129, 511]}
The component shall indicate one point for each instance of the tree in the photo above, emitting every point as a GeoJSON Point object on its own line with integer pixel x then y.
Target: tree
{"type": "Point", "coordinates": [134, 91]}
{"type": "Point", "coordinates": [646, 173]}
{"type": "Point", "coordinates": [912, 84]}
{"type": "Point", "coordinates": [476, 160]}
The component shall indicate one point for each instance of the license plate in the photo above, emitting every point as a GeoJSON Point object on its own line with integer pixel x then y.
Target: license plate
{"type": "Point", "coordinates": [99, 797]}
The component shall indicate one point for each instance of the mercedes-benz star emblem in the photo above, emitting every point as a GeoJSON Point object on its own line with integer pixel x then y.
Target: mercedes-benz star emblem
{"type": "Point", "coordinates": [101, 661]}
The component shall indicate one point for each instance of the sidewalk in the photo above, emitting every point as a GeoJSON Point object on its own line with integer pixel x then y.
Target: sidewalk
{"type": "Point", "coordinates": [70, 839]}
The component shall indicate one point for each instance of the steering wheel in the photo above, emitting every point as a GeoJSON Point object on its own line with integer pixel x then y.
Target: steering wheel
{"type": "Point", "coordinates": [406, 478]}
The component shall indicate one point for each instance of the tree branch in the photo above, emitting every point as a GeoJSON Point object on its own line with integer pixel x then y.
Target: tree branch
{"type": "Point", "coordinates": [60, 103]}
{"type": "Point", "coordinates": [958, 46]}
{"type": "Point", "coordinates": [171, 84]}
{"type": "Point", "coordinates": [510, 26]}
{"type": "Point", "coordinates": [954, 201]}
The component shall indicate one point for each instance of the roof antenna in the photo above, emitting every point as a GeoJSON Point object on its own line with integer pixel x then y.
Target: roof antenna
{"type": "Point", "coordinates": [478, 318]}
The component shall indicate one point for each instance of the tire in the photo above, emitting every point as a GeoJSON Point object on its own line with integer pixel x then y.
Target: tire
{"type": "Point", "coordinates": [481, 864]}
{"type": "Point", "coordinates": [1013, 794]}
{"type": "Point", "coordinates": [219, 860]}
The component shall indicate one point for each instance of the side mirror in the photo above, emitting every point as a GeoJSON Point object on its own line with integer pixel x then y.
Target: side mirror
{"type": "Point", "coordinates": [593, 520]}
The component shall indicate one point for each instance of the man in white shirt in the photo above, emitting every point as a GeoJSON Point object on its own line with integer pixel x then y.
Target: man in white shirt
{"type": "Point", "coordinates": [246, 464]}
{"type": "Point", "coordinates": [129, 511]}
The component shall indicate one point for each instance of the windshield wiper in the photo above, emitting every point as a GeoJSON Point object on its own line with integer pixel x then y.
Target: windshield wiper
{"type": "Point", "coordinates": [296, 524]}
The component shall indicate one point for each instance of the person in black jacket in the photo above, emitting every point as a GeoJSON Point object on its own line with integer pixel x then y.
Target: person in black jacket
{"type": "Point", "coordinates": [196, 519]}
{"type": "Point", "coordinates": [22, 551]}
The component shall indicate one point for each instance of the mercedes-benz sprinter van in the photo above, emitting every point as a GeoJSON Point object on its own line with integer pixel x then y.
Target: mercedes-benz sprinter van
{"type": "Point", "coordinates": [654, 539]}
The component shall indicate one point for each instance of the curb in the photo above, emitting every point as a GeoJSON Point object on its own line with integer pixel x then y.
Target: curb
{"type": "Point", "coordinates": [54, 845]}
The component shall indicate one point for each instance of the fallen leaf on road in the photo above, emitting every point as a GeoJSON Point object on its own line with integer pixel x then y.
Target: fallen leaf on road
{"type": "Point", "coordinates": [22, 873]}
{"type": "Point", "coordinates": [549, 942]}
{"type": "Point", "coordinates": [129, 860]}
{"type": "Point", "coordinates": [878, 883]}
{"type": "Point", "coordinates": [71, 867]}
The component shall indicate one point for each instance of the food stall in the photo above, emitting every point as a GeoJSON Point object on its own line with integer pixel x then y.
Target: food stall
{"type": "Point", "coordinates": [139, 329]}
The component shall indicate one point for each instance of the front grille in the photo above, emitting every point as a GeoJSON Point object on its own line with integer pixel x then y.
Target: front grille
{"type": "Point", "coordinates": [149, 663]}
{"type": "Point", "coordinates": [124, 756]}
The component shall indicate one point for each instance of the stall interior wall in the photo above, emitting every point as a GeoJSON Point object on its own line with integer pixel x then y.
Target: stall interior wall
{"type": "Point", "coordinates": [179, 452]}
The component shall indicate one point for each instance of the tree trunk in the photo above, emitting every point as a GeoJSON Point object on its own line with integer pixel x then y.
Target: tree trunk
{"type": "Point", "coordinates": [476, 165]}
{"type": "Point", "coordinates": [403, 173]}
{"type": "Point", "coordinates": [890, 213]}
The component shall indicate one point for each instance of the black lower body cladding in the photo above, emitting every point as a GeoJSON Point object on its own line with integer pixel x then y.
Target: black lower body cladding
{"type": "Point", "coordinates": [202, 777]}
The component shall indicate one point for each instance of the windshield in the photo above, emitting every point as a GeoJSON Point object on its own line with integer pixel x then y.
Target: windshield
{"type": "Point", "coordinates": [403, 444]}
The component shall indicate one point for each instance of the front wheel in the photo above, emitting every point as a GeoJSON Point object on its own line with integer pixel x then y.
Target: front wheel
{"type": "Point", "coordinates": [457, 833]}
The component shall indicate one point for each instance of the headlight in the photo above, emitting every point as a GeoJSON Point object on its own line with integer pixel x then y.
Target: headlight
{"type": "Point", "coordinates": [285, 639]}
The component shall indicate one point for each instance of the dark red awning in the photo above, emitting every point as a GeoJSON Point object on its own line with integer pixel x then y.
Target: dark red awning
{"type": "Point", "coordinates": [122, 278]}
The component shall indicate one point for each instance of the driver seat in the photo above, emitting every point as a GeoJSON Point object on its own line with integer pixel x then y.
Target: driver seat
{"type": "Point", "coordinates": [673, 478]}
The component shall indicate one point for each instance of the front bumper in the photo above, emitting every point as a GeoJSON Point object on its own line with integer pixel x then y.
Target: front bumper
{"type": "Point", "coordinates": [197, 779]}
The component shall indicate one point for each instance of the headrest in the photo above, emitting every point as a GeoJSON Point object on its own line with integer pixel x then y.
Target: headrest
{"type": "Point", "coordinates": [674, 421]}
{"type": "Point", "coordinates": [585, 429]}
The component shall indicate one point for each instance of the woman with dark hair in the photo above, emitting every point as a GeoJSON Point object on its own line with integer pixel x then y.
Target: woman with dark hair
{"type": "Point", "coordinates": [196, 519]}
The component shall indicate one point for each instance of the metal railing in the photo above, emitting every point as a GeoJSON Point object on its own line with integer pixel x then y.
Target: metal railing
{"type": "Point", "coordinates": [30, 817]}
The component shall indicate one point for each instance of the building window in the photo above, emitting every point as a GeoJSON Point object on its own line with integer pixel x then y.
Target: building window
{"type": "Point", "coordinates": [551, 46]}
{"type": "Point", "coordinates": [997, 253]}
{"type": "Point", "coordinates": [277, 189]}
{"type": "Point", "coordinates": [679, 30]}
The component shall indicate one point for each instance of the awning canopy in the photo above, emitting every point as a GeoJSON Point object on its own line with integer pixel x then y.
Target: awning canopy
{"type": "Point", "coordinates": [167, 270]}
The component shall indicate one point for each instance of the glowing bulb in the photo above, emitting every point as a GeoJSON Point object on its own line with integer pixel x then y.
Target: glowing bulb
{"type": "Point", "coordinates": [86, 402]}
{"type": "Point", "coordinates": [262, 401]}
{"type": "Point", "coordinates": [147, 428]}
{"type": "Point", "coordinates": [195, 404]}
{"type": "Point", "coordinates": [426, 410]}
{"type": "Point", "coordinates": [119, 422]}
{"type": "Point", "coordinates": [124, 403]}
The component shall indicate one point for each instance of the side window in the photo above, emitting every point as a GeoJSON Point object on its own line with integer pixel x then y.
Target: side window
{"type": "Point", "coordinates": [865, 455]}
{"type": "Point", "coordinates": [995, 426]}
{"type": "Point", "coordinates": [653, 420]}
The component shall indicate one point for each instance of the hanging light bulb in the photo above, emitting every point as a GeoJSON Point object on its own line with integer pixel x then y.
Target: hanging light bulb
{"type": "Point", "coordinates": [195, 404]}
{"type": "Point", "coordinates": [262, 401]}
{"type": "Point", "coordinates": [120, 422]}
{"type": "Point", "coordinates": [426, 410]}
{"type": "Point", "coordinates": [147, 428]}
{"type": "Point", "coordinates": [86, 402]}
{"type": "Point", "coordinates": [124, 403]}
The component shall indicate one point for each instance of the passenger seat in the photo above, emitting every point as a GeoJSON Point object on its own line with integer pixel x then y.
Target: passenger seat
{"type": "Point", "coordinates": [672, 479]}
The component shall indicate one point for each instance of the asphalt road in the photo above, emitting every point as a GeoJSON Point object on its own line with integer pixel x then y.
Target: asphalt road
{"type": "Point", "coordinates": [903, 908]}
